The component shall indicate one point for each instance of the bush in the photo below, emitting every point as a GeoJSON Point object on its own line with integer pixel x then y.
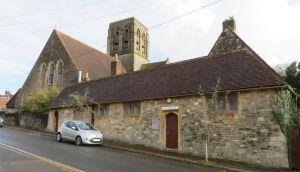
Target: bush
{"type": "Point", "coordinates": [39, 102]}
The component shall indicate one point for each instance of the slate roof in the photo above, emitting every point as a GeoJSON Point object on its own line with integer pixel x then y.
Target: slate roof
{"type": "Point", "coordinates": [236, 70]}
{"type": "Point", "coordinates": [86, 58]}
{"type": "Point", "coordinates": [12, 102]}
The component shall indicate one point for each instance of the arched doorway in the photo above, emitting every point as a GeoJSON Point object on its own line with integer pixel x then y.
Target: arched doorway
{"type": "Point", "coordinates": [56, 120]}
{"type": "Point", "coordinates": [172, 131]}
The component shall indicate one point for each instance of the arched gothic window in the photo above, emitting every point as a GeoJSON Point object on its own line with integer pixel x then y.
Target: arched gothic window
{"type": "Point", "coordinates": [143, 43]}
{"type": "Point", "coordinates": [138, 40]}
{"type": "Point", "coordinates": [42, 76]}
{"type": "Point", "coordinates": [60, 74]}
{"type": "Point", "coordinates": [125, 38]}
{"type": "Point", "coordinates": [146, 44]}
{"type": "Point", "coordinates": [51, 75]}
{"type": "Point", "coordinates": [116, 40]}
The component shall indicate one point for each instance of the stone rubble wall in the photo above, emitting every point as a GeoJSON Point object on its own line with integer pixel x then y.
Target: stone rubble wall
{"type": "Point", "coordinates": [249, 135]}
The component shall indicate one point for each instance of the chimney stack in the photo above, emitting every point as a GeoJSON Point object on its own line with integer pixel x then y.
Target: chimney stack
{"type": "Point", "coordinates": [229, 23]}
{"type": "Point", "coordinates": [115, 68]}
{"type": "Point", "coordinates": [86, 78]}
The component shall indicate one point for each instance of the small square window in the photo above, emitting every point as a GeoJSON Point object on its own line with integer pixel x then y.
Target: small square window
{"type": "Point", "coordinates": [132, 108]}
{"type": "Point", "coordinates": [103, 110]}
{"type": "Point", "coordinates": [233, 103]}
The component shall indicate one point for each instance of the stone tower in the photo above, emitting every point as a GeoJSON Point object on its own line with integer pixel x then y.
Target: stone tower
{"type": "Point", "coordinates": [128, 40]}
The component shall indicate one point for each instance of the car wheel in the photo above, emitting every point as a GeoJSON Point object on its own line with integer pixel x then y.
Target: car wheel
{"type": "Point", "coordinates": [58, 137]}
{"type": "Point", "coordinates": [78, 141]}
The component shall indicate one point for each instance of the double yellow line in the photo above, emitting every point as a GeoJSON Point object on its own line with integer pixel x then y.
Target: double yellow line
{"type": "Point", "coordinates": [59, 165]}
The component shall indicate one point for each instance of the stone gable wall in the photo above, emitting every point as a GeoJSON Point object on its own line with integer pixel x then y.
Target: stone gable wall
{"type": "Point", "coordinates": [250, 134]}
{"type": "Point", "coordinates": [228, 42]}
{"type": "Point", "coordinates": [52, 53]}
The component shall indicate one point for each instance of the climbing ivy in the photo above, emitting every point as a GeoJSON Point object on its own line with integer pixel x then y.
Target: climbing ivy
{"type": "Point", "coordinates": [285, 111]}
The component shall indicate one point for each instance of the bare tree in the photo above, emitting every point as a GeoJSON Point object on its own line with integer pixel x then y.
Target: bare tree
{"type": "Point", "coordinates": [215, 105]}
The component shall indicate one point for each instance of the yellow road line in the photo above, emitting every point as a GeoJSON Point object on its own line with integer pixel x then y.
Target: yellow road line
{"type": "Point", "coordinates": [64, 167]}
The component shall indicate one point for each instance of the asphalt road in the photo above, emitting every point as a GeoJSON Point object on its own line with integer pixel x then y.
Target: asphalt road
{"type": "Point", "coordinates": [13, 161]}
{"type": "Point", "coordinates": [93, 158]}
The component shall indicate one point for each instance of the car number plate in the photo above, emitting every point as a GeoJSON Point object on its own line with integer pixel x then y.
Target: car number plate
{"type": "Point", "coordinates": [96, 140]}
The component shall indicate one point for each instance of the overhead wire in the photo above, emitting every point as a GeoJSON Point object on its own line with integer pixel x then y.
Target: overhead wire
{"type": "Point", "coordinates": [51, 10]}
{"type": "Point", "coordinates": [158, 25]}
{"type": "Point", "coordinates": [61, 16]}
{"type": "Point", "coordinates": [183, 15]}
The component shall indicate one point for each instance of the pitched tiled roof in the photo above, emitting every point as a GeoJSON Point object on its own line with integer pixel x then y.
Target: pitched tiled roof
{"type": "Point", "coordinates": [12, 102]}
{"type": "Point", "coordinates": [230, 41]}
{"type": "Point", "coordinates": [153, 65]}
{"type": "Point", "coordinates": [237, 70]}
{"type": "Point", "coordinates": [86, 58]}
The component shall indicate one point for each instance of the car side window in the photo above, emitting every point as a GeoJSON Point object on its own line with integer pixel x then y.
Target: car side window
{"type": "Point", "coordinates": [67, 124]}
{"type": "Point", "coordinates": [72, 124]}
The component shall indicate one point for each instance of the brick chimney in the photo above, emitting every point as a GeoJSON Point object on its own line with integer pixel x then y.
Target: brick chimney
{"type": "Point", "coordinates": [229, 23]}
{"type": "Point", "coordinates": [116, 68]}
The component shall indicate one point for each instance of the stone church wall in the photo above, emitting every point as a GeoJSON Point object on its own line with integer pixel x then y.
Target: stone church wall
{"type": "Point", "coordinates": [249, 135]}
{"type": "Point", "coordinates": [52, 53]}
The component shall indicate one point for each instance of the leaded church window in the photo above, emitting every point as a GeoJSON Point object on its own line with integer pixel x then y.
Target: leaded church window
{"type": "Point", "coordinates": [60, 74]}
{"type": "Point", "coordinates": [42, 76]}
{"type": "Point", "coordinates": [51, 76]}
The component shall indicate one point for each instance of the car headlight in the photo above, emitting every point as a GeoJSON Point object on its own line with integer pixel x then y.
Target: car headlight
{"type": "Point", "coordinates": [1, 120]}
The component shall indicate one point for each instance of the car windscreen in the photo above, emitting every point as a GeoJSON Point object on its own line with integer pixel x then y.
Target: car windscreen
{"type": "Point", "coordinates": [84, 126]}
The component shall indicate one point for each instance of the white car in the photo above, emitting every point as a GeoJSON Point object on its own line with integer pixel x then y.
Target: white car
{"type": "Point", "coordinates": [80, 132]}
{"type": "Point", "coordinates": [1, 122]}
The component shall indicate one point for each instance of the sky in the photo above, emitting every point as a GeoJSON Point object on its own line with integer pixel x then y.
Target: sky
{"type": "Point", "coordinates": [270, 27]}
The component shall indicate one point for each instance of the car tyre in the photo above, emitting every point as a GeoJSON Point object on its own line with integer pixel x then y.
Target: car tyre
{"type": "Point", "coordinates": [78, 141]}
{"type": "Point", "coordinates": [58, 137]}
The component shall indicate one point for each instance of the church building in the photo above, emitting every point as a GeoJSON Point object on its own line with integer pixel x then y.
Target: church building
{"type": "Point", "coordinates": [66, 61]}
{"type": "Point", "coordinates": [161, 105]}
{"type": "Point", "coordinates": [164, 105]}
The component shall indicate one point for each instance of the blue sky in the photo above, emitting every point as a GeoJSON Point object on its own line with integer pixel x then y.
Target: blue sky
{"type": "Point", "coordinates": [270, 27]}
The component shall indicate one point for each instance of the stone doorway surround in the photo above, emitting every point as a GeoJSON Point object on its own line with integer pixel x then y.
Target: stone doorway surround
{"type": "Point", "coordinates": [164, 111]}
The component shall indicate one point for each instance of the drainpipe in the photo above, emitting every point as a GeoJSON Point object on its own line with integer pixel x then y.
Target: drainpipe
{"type": "Point", "coordinates": [79, 76]}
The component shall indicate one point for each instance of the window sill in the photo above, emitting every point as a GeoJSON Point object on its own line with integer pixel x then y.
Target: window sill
{"type": "Point", "coordinates": [225, 112]}
{"type": "Point", "coordinates": [133, 115]}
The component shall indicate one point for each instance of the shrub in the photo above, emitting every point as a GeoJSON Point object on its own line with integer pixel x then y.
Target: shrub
{"type": "Point", "coordinates": [39, 102]}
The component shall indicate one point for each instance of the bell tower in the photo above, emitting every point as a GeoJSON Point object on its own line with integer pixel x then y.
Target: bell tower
{"type": "Point", "coordinates": [128, 39]}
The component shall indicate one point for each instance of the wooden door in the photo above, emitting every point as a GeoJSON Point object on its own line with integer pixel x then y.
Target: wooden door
{"type": "Point", "coordinates": [172, 131]}
{"type": "Point", "coordinates": [295, 147]}
{"type": "Point", "coordinates": [56, 120]}
{"type": "Point", "coordinates": [94, 108]}
{"type": "Point", "coordinates": [93, 118]}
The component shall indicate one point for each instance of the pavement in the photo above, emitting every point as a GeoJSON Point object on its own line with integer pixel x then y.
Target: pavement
{"type": "Point", "coordinates": [192, 163]}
